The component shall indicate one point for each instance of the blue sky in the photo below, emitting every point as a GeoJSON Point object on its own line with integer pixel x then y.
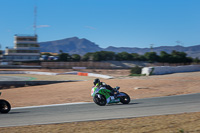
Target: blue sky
{"type": "Point", "coordinates": [120, 23]}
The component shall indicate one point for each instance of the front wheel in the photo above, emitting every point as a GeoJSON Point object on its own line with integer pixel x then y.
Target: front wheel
{"type": "Point", "coordinates": [99, 100]}
{"type": "Point", "coordinates": [125, 99]}
{"type": "Point", "coordinates": [4, 106]}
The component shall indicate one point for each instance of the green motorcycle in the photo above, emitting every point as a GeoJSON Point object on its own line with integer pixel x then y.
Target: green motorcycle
{"type": "Point", "coordinates": [102, 96]}
{"type": "Point", "coordinates": [4, 106]}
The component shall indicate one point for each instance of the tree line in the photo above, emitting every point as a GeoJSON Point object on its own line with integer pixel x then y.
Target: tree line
{"type": "Point", "coordinates": [163, 57]}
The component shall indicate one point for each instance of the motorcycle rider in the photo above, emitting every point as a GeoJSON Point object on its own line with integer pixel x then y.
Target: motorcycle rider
{"type": "Point", "coordinates": [100, 84]}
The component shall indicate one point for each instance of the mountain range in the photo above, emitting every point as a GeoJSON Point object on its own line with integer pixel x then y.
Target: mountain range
{"type": "Point", "coordinates": [79, 46]}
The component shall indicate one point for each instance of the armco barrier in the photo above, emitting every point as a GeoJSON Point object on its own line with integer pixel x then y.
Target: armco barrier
{"type": "Point", "coordinates": [159, 70]}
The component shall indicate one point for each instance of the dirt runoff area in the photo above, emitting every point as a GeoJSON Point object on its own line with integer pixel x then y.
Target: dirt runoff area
{"type": "Point", "coordinates": [136, 87]}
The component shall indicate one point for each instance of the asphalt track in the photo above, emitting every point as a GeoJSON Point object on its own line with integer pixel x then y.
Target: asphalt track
{"type": "Point", "coordinates": [90, 111]}
{"type": "Point", "coordinates": [15, 78]}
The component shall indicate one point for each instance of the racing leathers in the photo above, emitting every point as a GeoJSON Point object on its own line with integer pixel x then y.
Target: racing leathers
{"type": "Point", "coordinates": [102, 84]}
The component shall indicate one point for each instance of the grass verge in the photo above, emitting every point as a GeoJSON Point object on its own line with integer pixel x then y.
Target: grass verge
{"type": "Point", "coordinates": [137, 75]}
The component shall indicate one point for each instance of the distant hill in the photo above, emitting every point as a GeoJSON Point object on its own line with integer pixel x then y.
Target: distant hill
{"type": "Point", "coordinates": [75, 45]}
{"type": "Point", "coordinates": [72, 45]}
{"type": "Point", "coordinates": [192, 51]}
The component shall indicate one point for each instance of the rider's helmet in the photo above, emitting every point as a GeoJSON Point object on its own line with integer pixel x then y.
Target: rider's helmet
{"type": "Point", "coordinates": [96, 81]}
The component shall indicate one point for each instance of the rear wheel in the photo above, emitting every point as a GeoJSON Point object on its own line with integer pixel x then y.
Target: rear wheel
{"type": "Point", "coordinates": [99, 100]}
{"type": "Point", "coordinates": [4, 106]}
{"type": "Point", "coordinates": [125, 99]}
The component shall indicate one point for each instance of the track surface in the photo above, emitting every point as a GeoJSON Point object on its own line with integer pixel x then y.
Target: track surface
{"type": "Point", "coordinates": [14, 78]}
{"type": "Point", "coordinates": [91, 111]}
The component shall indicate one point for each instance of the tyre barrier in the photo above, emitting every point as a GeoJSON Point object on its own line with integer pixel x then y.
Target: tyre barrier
{"type": "Point", "coordinates": [82, 74]}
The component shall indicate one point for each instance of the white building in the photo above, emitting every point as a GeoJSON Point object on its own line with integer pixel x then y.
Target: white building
{"type": "Point", "coordinates": [26, 48]}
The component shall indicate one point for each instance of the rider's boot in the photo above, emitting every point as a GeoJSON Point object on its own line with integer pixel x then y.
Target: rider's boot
{"type": "Point", "coordinates": [115, 96]}
{"type": "Point", "coordinates": [116, 92]}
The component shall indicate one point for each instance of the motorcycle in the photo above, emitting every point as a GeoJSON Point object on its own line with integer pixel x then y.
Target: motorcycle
{"type": "Point", "coordinates": [5, 106]}
{"type": "Point", "coordinates": [103, 96]}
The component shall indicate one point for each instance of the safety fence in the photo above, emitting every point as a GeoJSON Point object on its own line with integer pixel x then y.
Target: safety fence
{"type": "Point", "coordinates": [70, 65]}
{"type": "Point", "coordinates": [93, 65]}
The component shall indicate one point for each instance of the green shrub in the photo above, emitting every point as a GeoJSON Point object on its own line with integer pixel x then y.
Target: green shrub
{"type": "Point", "coordinates": [136, 70]}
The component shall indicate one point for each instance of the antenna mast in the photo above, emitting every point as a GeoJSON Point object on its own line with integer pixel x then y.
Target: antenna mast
{"type": "Point", "coordinates": [35, 16]}
{"type": "Point", "coordinates": [151, 47]}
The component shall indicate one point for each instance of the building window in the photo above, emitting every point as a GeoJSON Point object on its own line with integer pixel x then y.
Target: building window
{"type": "Point", "coordinates": [26, 39]}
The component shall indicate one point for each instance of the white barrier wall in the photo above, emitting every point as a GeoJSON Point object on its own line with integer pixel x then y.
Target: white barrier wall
{"type": "Point", "coordinates": [100, 76]}
{"type": "Point", "coordinates": [159, 70]}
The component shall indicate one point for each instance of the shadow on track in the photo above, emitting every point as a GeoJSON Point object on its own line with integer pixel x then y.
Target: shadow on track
{"type": "Point", "coordinates": [18, 112]}
{"type": "Point", "coordinates": [117, 104]}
